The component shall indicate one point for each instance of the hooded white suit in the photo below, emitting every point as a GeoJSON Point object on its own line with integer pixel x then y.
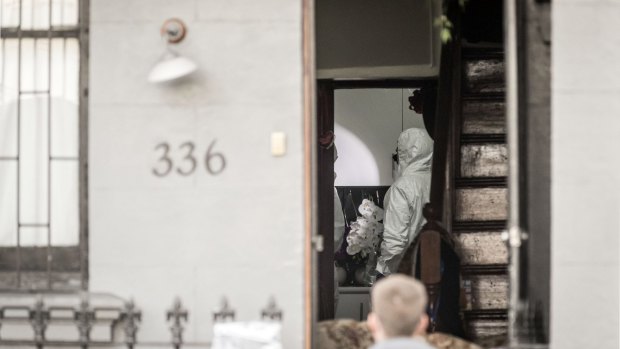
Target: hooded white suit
{"type": "Point", "coordinates": [406, 197]}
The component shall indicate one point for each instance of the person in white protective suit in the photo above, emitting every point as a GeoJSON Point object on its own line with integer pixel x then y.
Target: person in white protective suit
{"type": "Point", "coordinates": [405, 199]}
{"type": "Point", "coordinates": [338, 222]}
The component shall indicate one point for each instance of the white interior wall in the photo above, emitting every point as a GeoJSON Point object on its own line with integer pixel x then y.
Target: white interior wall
{"type": "Point", "coordinates": [586, 175]}
{"type": "Point", "coordinates": [367, 125]}
{"type": "Point", "coordinates": [200, 237]}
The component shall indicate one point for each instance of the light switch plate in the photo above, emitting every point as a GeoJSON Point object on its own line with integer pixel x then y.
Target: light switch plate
{"type": "Point", "coordinates": [278, 143]}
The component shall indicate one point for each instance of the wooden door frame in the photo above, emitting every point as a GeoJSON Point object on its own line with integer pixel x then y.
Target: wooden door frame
{"type": "Point", "coordinates": [317, 197]}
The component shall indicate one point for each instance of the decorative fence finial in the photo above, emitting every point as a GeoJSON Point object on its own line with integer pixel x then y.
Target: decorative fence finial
{"type": "Point", "coordinates": [177, 313]}
{"type": "Point", "coordinates": [131, 317]}
{"type": "Point", "coordinates": [226, 312]}
{"type": "Point", "coordinates": [271, 311]}
{"type": "Point", "coordinates": [39, 319]}
{"type": "Point", "coordinates": [84, 318]}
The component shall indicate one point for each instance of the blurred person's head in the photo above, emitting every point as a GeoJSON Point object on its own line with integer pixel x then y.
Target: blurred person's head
{"type": "Point", "coordinates": [398, 308]}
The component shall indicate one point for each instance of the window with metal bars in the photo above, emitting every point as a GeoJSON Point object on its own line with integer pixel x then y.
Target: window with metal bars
{"type": "Point", "coordinates": [43, 153]}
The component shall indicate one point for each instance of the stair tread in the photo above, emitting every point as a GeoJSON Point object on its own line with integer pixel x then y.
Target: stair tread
{"type": "Point", "coordinates": [481, 182]}
{"type": "Point", "coordinates": [494, 96]}
{"type": "Point", "coordinates": [485, 269]}
{"type": "Point", "coordinates": [487, 313]}
{"type": "Point", "coordinates": [483, 138]}
{"type": "Point", "coordinates": [491, 312]}
{"type": "Point", "coordinates": [477, 52]}
{"type": "Point", "coordinates": [490, 225]}
{"type": "Point", "coordinates": [484, 76]}
{"type": "Point", "coordinates": [486, 249]}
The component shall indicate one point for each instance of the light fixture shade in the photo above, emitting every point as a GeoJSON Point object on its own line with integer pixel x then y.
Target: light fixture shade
{"type": "Point", "coordinates": [171, 67]}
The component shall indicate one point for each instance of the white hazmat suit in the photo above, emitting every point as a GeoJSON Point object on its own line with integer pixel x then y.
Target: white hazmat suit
{"type": "Point", "coordinates": [339, 224]}
{"type": "Point", "coordinates": [406, 197]}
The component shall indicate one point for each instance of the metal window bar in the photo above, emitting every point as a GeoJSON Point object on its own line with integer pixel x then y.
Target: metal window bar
{"type": "Point", "coordinates": [49, 146]}
{"type": "Point", "coordinates": [19, 104]}
{"type": "Point", "coordinates": [83, 22]}
{"type": "Point", "coordinates": [63, 32]}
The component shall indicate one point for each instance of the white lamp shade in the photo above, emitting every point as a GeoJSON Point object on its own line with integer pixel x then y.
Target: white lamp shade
{"type": "Point", "coordinates": [171, 68]}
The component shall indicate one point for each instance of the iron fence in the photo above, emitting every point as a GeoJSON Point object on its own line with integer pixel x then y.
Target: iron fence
{"type": "Point", "coordinates": [82, 312]}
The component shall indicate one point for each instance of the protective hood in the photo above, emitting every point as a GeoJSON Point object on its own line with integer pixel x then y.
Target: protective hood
{"type": "Point", "coordinates": [415, 150]}
{"type": "Point", "coordinates": [405, 198]}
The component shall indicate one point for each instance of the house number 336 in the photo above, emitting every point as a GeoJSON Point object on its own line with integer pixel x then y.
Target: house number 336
{"type": "Point", "coordinates": [184, 162]}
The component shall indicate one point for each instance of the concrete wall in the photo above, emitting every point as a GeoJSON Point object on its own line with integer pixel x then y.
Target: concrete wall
{"type": "Point", "coordinates": [585, 174]}
{"type": "Point", "coordinates": [537, 172]}
{"type": "Point", "coordinates": [201, 236]}
{"type": "Point", "coordinates": [367, 125]}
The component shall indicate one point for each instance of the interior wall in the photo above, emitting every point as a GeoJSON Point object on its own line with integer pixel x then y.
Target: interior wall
{"type": "Point", "coordinates": [367, 125]}
{"type": "Point", "coordinates": [585, 175]}
{"type": "Point", "coordinates": [377, 39]}
{"type": "Point", "coordinates": [237, 234]}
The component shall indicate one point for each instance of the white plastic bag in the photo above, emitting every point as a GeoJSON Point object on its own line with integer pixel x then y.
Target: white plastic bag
{"type": "Point", "coordinates": [247, 335]}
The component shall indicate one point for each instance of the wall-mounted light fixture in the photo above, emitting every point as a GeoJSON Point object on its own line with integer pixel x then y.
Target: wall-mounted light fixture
{"type": "Point", "coordinates": [171, 65]}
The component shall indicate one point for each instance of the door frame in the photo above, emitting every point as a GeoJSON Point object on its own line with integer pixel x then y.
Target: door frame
{"type": "Point", "coordinates": [323, 171]}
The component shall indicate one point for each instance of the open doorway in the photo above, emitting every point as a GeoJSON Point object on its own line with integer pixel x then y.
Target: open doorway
{"type": "Point", "coordinates": [359, 123]}
{"type": "Point", "coordinates": [370, 58]}
{"type": "Point", "coordinates": [395, 46]}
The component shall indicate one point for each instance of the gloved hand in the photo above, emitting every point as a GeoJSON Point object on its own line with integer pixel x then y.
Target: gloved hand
{"type": "Point", "coordinates": [379, 276]}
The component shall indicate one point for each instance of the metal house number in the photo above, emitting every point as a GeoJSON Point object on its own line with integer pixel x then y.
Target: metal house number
{"type": "Point", "coordinates": [186, 163]}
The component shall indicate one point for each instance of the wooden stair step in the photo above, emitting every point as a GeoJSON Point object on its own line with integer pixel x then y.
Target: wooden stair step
{"type": "Point", "coordinates": [480, 182]}
{"type": "Point", "coordinates": [485, 291]}
{"type": "Point", "coordinates": [488, 314]}
{"type": "Point", "coordinates": [490, 96]}
{"type": "Point", "coordinates": [483, 138]}
{"type": "Point", "coordinates": [486, 269]}
{"type": "Point", "coordinates": [483, 116]}
{"type": "Point", "coordinates": [484, 160]}
{"type": "Point", "coordinates": [490, 225]}
{"type": "Point", "coordinates": [484, 75]}
{"type": "Point", "coordinates": [478, 52]}
{"type": "Point", "coordinates": [487, 327]}
{"type": "Point", "coordinates": [481, 251]}
{"type": "Point", "coordinates": [481, 204]}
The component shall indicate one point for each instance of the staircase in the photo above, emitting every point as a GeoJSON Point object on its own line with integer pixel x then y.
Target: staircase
{"type": "Point", "coordinates": [468, 207]}
{"type": "Point", "coordinates": [480, 195]}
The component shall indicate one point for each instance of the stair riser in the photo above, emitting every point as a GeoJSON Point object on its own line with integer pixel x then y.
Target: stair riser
{"type": "Point", "coordinates": [487, 332]}
{"type": "Point", "coordinates": [482, 248]}
{"type": "Point", "coordinates": [484, 292]}
{"type": "Point", "coordinates": [483, 117]}
{"type": "Point", "coordinates": [484, 160]}
{"type": "Point", "coordinates": [484, 76]}
{"type": "Point", "coordinates": [481, 204]}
